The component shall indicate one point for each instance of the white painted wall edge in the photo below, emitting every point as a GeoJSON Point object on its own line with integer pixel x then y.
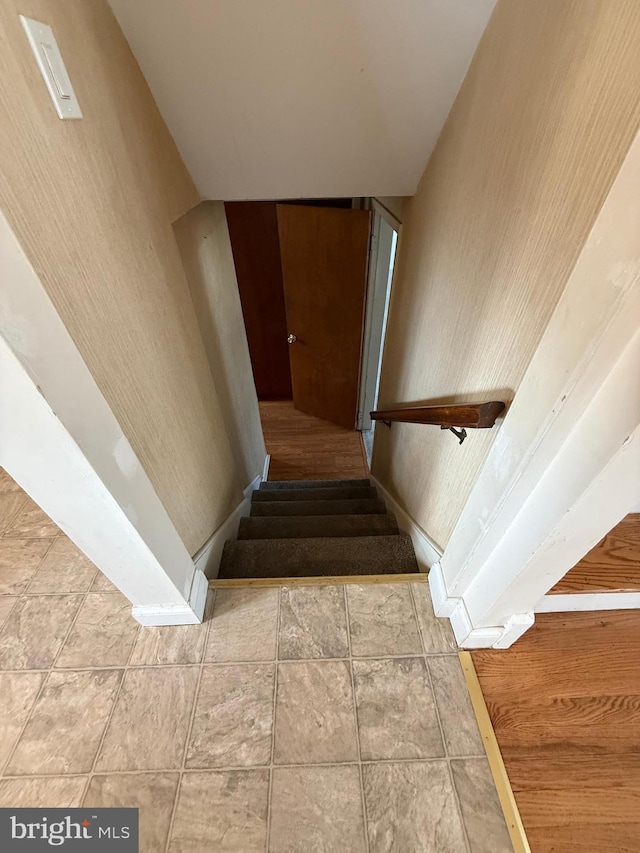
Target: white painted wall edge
{"type": "Point", "coordinates": [517, 587]}
{"type": "Point", "coordinates": [560, 473]}
{"type": "Point", "coordinates": [38, 451]}
{"type": "Point", "coordinates": [427, 552]}
{"type": "Point", "coordinates": [61, 442]}
{"type": "Point", "coordinates": [265, 469]}
{"type": "Point", "coordinates": [580, 601]}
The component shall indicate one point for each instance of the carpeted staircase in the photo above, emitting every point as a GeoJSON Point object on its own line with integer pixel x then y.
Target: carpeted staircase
{"type": "Point", "coordinates": [314, 528]}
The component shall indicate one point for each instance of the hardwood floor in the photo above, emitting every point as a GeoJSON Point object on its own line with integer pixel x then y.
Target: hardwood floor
{"type": "Point", "coordinates": [565, 706]}
{"type": "Point", "coordinates": [306, 448]}
{"type": "Point", "coordinates": [613, 565]}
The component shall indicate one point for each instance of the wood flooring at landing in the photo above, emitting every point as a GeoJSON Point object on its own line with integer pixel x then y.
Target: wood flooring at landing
{"type": "Point", "coordinates": [306, 448]}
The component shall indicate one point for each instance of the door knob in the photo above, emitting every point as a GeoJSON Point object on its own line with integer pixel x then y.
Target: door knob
{"type": "Point", "coordinates": [291, 338]}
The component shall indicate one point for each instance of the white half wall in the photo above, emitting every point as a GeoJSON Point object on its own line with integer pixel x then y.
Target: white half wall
{"type": "Point", "coordinates": [61, 442]}
{"type": "Point", "coordinates": [565, 466]}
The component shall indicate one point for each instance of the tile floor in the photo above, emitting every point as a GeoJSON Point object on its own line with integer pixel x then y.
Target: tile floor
{"type": "Point", "coordinates": [331, 718]}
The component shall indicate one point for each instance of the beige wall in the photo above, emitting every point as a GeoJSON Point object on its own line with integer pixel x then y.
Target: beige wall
{"type": "Point", "coordinates": [536, 136]}
{"type": "Point", "coordinates": [92, 203]}
{"type": "Point", "coordinates": [203, 239]}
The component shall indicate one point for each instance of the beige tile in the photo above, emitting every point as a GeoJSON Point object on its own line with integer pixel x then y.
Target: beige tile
{"type": "Point", "coordinates": [7, 603]}
{"type": "Point", "coordinates": [437, 634]}
{"type": "Point", "coordinates": [313, 623]}
{"type": "Point", "coordinates": [31, 523]}
{"type": "Point", "coordinates": [481, 811]}
{"type": "Point", "coordinates": [396, 711]}
{"type": "Point", "coordinates": [64, 569]}
{"type": "Point", "coordinates": [224, 811]}
{"type": "Point", "coordinates": [35, 630]}
{"type": "Point", "coordinates": [382, 620]}
{"type": "Point", "coordinates": [149, 725]}
{"type": "Point", "coordinates": [233, 718]}
{"type": "Point", "coordinates": [10, 503]}
{"type": "Point", "coordinates": [67, 723]}
{"type": "Point", "coordinates": [461, 734]}
{"type": "Point", "coordinates": [316, 808]}
{"type": "Point", "coordinates": [314, 714]}
{"type": "Point", "coordinates": [243, 625]}
{"type": "Point", "coordinates": [171, 644]}
{"type": "Point", "coordinates": [7, 483]}
{"type": "Point", "coordinates": [56, 792]}
{"type": "Point", "coordinates": [411, 808]}
{"type": "Point", "coordinates": [18, 692]}
{"type": "Point", "coordinates": [152, 793]}
{"type": "Point", "coordinates": [19, 560]}
{"type": "Point", "coordinates": [102, 635]}
{"type": "Point", "coordinates": [102, 583]}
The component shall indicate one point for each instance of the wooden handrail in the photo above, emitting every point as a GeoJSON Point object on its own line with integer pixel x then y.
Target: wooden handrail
{"type": "Point", "coordinates": [470, 415]}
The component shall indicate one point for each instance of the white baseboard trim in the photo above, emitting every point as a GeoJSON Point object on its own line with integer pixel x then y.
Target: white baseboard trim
{"type": "Point", "coordinates": [207, 560]}
{"type": "Point", "coordinates": [468, 637]}
{"type": "Point", "coordinates": [575, 601]}
{"type": "Point", "coordinates": [191, 613]}
{"type": "Point", "coordinates": [442, 604]}
{"type": "Point", "coordinates": [427, 552]}
{"type": "Point", "coordinates": [265, 470]}
{"type": "Point", "coordinates": [199, 592]}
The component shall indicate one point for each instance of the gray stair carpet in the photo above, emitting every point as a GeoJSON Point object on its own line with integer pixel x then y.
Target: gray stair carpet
{"type": "Point", "coordinates": [370, 506]}
{"type": "Point", "coordinates": [294, 558]}
{"type": "Point", "coordinates": [317, 528]}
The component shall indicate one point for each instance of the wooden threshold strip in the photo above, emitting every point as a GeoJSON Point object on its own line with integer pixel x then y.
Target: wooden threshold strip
{"type": "Point", "coordinates": [498, 771]}
{"type": "Point", "coordinates": [225, 583]}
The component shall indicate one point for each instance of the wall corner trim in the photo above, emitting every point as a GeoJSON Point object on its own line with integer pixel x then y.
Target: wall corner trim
{"type": "Point", "coordinates": [428, 553]}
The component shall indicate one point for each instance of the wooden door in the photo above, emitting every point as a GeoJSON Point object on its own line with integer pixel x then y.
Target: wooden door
{"type": "Point", "coordinates": [324, 255]}
{"type": "Point", "coordinates": [253, 230]}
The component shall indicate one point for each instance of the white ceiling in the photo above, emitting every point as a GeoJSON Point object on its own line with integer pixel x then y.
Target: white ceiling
{"type": "Point", "coordinates": [304, 98]}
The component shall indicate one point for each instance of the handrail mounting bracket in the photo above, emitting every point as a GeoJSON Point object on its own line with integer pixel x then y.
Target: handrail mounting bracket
{"type": "Point", "coordinates": [460, 434]}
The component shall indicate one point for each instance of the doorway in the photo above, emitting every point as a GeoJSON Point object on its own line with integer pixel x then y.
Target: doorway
{"type": "Point", "coordinates": [314, 298]}
{"type": "Point", "coordinates": [385, 230]}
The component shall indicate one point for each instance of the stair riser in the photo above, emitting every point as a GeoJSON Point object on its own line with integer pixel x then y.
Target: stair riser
{"type": "Point", "coordinates": [317, 526]}
{"type": "Point", "coordinates": [271, 485]}
{"type": "Point", "coordinates": [320, 494]}
{"type": "Point", "coordinates": [265, 509]}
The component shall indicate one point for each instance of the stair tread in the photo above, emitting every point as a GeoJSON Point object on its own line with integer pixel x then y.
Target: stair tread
{"type": "Point", "coordinates": [274, 485]}
{"type": "Point", "coordinates": [349, 506]}
{"type": "Point", "coordinates": [309, 557]}
{"type": "Point", "coordinates": [316, 526]}
{"type": "Point", "coordinates": [325, 494]}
